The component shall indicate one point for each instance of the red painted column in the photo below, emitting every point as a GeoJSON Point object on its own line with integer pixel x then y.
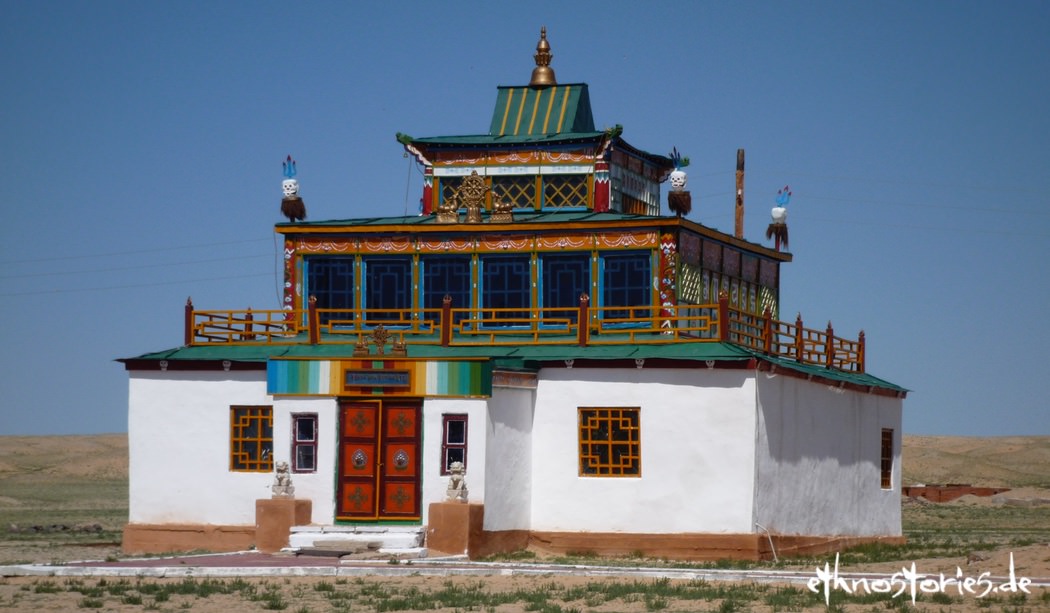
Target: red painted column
{"type": "Point", "coordinates": [601, 186]}
{"type": "Point", "coordinates": [428, 190]}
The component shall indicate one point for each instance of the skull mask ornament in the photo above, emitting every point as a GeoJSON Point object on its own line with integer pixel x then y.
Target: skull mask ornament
{"type": "Point", "coordinates": [290, 187]}
{"type": "Point", "coordinates": [678, 180]}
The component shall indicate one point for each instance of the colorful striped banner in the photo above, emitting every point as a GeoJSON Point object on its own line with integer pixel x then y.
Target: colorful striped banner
{"type": "Point", "coordinates": [337, 377]}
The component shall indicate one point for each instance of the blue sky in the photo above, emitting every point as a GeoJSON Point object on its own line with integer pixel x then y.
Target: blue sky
{"type": "Point", "coordinates": [143, 144]}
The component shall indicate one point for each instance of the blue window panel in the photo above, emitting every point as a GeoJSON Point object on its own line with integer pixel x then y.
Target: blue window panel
{"type": "Point", "coordinates": [505, 283]}
{"type": "Point", "coordinates": [387, 287]}
{"type": "Point", "coordinates": [627, 282]}
{"type": "Point", "coordinates": [331, 280]}
{"type": "Point", "coordinates": [563, 278]}
{"type": "Point", "coordinates": [446, 276]}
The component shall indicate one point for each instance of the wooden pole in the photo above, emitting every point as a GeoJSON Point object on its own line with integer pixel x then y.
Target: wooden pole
{"type": "Point", "coordinates": [829, 347]}
{"type": "Point", "coordinates": [723, 316]}
{"type": "Point", "coordinates": [583, 323]}
{"type": "Point", "coordinates": [188, 334]}
{"type": "Point", "coordinates": [446, 320]}
{"type": "Point", "coordinates": [312, 322]}
{"type": "Point", "coordinates": [798, 338]}
{"type": "Point", "coordinates": [767, 331]}
{"type": "Point", "coordinates": [860, 352]}
{"type": "Point", "coordinates": [739, 216]}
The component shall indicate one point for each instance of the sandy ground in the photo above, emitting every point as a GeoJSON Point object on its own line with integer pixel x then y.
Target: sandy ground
{"type": "Point", "coordinates": [1019, 461]}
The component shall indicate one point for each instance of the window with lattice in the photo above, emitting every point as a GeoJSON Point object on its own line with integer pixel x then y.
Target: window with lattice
{"type": "Point", "coordinates": [626, 282]}
{"type": "Point", "coordinates": [387, 287]}
{"type": "Point", "coordinates": [565, 276]}
{"type": "Point", "coordinates": [505, 288]}
{"type": "Point", "coordinates": [886, 459]}
{"type": "Point", "coordinates": [251, 438]}
{"type": "Point", "coordinates": [564, 191]}
{"type": "Point", "coordinates": [519, 190]}
{"type": "Point", "coordinates": [331, 280]}
{"type": "Point", "coordinates": [610, 442]}
{"type": "Point", "coordinates": [448, 187]}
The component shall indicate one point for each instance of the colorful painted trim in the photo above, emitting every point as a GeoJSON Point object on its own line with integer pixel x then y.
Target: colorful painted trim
{"type": "Point", "coordinates": [389, 377]}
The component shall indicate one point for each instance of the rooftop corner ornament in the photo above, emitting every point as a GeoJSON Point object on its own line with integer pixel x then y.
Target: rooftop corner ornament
{"type": "Point", "coordinates": [678, 199]}
{"type": "Point", "coordinates": [778, 229]}
{"type": "Point", "coordinates": [292, 205]}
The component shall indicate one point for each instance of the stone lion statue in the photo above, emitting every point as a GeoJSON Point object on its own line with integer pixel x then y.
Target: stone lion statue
{"type": "Point", "coordinates": [282, 482]}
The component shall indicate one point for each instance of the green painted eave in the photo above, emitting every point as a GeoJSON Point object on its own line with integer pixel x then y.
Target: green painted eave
{"type": "Point", "coordinates": [528, 356]}
{"type": "Point", "coordinates": [474, 140]}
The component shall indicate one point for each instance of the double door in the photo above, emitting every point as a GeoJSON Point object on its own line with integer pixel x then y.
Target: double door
{"type": "Point", "coordinates": [379, 460]}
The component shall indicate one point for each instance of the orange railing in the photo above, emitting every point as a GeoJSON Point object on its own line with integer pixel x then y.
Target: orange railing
{"type": "Point", "coordinates": [450, 326]}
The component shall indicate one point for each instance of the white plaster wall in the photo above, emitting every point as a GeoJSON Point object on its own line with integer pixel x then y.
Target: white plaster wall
{"type": "Point", "coordinates": [508, 472]}
{"type": "Point", "coordinates": [179, 448]}
{"type": "Point", "coordinates": [697, 448]}
{"type": "Point", "coordinates": [434, 485]}
{"type": "Point", "coordinates": [319, 486]}
{"type": "Point", "coordinates": [818, 455]}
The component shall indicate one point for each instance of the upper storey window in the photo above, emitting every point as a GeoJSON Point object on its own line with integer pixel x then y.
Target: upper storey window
{"type": "Point", "coordinates": [626, 282]}
{"type": "Point", "coordinates": [561, 191]}
{"type": "Point", "coordinates": [387, 287]}
{"type": "Point", "coordinates": [536, 192]}
{"type": "Point", "coordinates": [331, 281]}
{"type": "Point", "coordinates": [519, 190]}
{"type": "Point", "coordinates": [446, 275]}
{"type": "Point", "coordinates": [564, 278]}
{"type": "Point", "coordinates": [505, 288]}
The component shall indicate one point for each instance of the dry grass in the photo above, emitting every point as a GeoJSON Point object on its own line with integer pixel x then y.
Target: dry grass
{"type": "Point", "coordinates": [73, 490]}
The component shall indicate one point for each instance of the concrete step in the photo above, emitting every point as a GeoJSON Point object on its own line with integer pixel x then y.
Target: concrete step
{"type": "Point", "coordinates": [406, 541]}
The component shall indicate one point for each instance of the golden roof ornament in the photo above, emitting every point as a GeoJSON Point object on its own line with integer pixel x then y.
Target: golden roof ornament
{"type": "Point", "coordinates": [543, 74]}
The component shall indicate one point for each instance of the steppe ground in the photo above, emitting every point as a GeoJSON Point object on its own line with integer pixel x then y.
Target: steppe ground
{"type": "Point", "coordinates": [64, 498]}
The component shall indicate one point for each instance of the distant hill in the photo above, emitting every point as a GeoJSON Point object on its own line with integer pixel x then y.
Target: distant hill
{"type": "Point", "coordinates": [1011, 461]}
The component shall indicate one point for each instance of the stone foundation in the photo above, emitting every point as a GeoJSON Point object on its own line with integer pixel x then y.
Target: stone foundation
{"type": "Point", "coordinates": [696, 547]}
{"type": "Point", "coordinates": [169, 538]}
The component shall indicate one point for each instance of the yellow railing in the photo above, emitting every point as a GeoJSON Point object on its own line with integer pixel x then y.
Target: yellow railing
{"type": "Point", "coordinates": [449, 326]}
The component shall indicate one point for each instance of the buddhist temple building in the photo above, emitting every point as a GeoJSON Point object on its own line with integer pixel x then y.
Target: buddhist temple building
{"type": "Point", "coordinates": [544, 357]}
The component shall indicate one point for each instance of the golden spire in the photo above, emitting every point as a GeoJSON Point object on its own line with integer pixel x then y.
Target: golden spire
{"type": "Point", "coordinates": [543, 74]}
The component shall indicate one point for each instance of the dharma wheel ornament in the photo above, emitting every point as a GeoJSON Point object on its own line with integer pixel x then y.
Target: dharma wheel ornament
{"type": "Point", "coordinates": [678, 199]}
{"type": "Point", "coordinates": [778, 229]}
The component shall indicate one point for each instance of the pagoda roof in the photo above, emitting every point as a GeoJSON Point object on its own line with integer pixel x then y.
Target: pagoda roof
{"type": "Point", "coordinates": [542, 111]}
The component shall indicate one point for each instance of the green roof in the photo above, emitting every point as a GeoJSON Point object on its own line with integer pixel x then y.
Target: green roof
{"type": "Point", "coordinates": [542, 111]}
{"type": "Point", "coordinates": [516, 356]}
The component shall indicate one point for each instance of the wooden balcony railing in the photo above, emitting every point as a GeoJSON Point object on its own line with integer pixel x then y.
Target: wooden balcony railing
{"type": "Point", "coordinates": [450, 326]}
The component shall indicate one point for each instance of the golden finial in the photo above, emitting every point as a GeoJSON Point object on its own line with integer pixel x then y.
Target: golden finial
{"type": "Point", "coordinates": [543, 74]}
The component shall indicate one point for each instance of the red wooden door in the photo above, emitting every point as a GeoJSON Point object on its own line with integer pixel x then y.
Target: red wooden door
{"type": "Point", "coordinates": [379, 464]}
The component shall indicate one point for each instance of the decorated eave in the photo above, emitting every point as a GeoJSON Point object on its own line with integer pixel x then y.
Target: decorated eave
{"type": "Point", "coordinates": [422, 149]}
{"type": "Point", "coordinates": [524, 221]}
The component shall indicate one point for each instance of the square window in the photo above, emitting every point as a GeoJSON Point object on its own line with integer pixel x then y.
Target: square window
{"type": "Point", "coordinates": [304, 443]}
{"type": "Point", "coordinates": [251, 438]}
{"type": "Point", "coordinates": [610, 442]}
{"type": "Point", "coordinates": [453, 441]}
